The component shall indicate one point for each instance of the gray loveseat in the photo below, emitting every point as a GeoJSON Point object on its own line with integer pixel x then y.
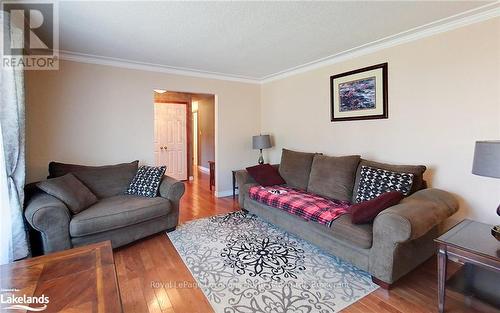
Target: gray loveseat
{"type": "Point", "coordinates": [117, 217]}
{"type": "Point", "coordinates": [399, 239]}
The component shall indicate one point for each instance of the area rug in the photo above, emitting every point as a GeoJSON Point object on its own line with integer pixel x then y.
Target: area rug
{"type": "Point", "coordinates": [244, 264]}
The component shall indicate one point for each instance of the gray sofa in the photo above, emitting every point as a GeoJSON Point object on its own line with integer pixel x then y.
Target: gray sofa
{"type": "Point", "coordinates": [117, 217]}
{"type": "Point", "coordinates": [399, 239]}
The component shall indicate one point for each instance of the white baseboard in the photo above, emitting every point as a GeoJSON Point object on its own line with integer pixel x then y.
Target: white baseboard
{"type": "Point", "coordinates": [225, 193]}
{"type": "Point", "coordinates": [204, 169]}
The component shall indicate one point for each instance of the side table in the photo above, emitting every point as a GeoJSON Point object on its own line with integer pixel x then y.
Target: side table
{"type": "Point", "coordinates": [471, 243]}
{"type": "Point", "coordinates": [234, 184]}
{"type": "Point", "coordinates": [211, 165]}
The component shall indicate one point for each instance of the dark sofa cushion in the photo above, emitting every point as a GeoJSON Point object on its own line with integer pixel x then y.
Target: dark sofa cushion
{"type": "Point", "coordinates": [333, 177]}
{"type": "Point", "coordinates": [265, 175]}
{"type": "Point", "coordinates": [117, 212]}
{"type": "Point", "coordinates": [69, 190]}
{"type": "Point", "coordinates": [416, 170]}
{"type": "Point", "coordinates": [103, 181]}
{"type": "Point", "coordinates": [365, 212]}
{"type": "Point", "coordinates": [295, 168]}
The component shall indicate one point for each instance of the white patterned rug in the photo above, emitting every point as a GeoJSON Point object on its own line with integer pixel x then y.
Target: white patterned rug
{"type": "Point", "coordinates": [244, 265]}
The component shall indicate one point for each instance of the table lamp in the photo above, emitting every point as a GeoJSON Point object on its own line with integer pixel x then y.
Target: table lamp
{"type": "Point", "coordinates": [487, 163]}
{"type": "Point", "coordinates": [261, 142]}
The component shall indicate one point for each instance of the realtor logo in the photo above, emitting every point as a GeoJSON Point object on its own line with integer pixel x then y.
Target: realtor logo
{"type": "Point", "coordinates": [30, 31]}
{"type": "Point", "coordinates": [10, 302]}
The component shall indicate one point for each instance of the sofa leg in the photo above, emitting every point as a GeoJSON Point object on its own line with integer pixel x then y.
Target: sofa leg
{"type": "Point", "coordinates": [171, 229]}
{"type": "Point", "coordinates": [381, 283]}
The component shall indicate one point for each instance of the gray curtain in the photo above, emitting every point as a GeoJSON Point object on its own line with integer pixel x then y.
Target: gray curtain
{"type": "Point", "coordinates": [12, 126]}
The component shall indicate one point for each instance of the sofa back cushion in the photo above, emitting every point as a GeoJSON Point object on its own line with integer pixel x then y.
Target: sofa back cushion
{"type": "Point", "coordinates": [103, 181]}
{"type": "Point", "coordinates": [416, 170]}
{"type": "Point", "coordinates": [295, 168]}
{"type": "Point", "coordinates": [333, 177]}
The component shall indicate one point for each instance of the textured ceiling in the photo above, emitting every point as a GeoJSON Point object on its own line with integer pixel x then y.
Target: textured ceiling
{"type": "Point", "coordinates": [243, 39]}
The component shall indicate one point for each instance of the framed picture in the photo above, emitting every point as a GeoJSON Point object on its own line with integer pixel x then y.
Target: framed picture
{"type": "Point", "coordinates": [360, 94]}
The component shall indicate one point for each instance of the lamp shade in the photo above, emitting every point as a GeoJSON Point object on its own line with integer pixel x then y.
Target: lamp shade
{"type": "Point", "coordinates": [487, 159]}
{"type": "Point", "coordinates": [261, 142]}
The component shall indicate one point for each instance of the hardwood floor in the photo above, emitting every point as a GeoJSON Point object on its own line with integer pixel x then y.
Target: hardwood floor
{"type": "Point", "coordinates": [152, 277]}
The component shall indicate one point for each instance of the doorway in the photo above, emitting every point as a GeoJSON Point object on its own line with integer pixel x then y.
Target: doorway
{"type": "Point", "coordinates": [184, 138]}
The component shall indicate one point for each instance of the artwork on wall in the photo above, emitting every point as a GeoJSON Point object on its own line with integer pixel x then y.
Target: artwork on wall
{"type": "Point", "coordinates": [360, 94]}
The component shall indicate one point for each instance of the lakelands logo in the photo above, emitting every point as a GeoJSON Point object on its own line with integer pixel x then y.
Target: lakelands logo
{"type": "Point", "coordinates": [30, 31]}
{"type": "Point", "coordinates": [9, 301]}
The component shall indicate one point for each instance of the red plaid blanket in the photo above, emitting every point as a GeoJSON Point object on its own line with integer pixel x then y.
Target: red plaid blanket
{"type": "Point", "coordinates": [308, 206]}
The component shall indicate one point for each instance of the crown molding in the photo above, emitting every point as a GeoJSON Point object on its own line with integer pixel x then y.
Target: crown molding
{"type": "Point", "coordinates": [151, 67]}
{"type": "Point", "coordinates": [476, 15]}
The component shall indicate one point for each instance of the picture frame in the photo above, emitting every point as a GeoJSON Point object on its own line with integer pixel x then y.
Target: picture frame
{"type": "Point", "coordinates": [359, 94]}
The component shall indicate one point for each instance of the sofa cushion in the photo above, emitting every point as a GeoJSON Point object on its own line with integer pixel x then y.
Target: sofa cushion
{"type": "Point", "coordinates": [295, 168]}
{"type": "Point", "coordinates": [358, 235]}
{"type": "Point", "coordinates": [365, 212]}
{"type": "Point", "coordinates": [306, 205]}
{"type": "Point", "coordinates": [416, 170]}
{"type": "Point", "coordinates": [69, 190]}
{"type": "Point", "coordinates": [146, 181]}
{"type": "Point", "coordinates": [103, 181]}
{"type": "Point", "coordinates": [117, 212]}
{"type": "Point", "coordinates": [333, 177]}
{"type": "Point", "coordinates": [265, 175]}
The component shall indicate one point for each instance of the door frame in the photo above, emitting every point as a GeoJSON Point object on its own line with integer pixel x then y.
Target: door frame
{"type": "Point", "coordinates": [188, 127]}
{"type": "Point", "coordinates": [216, 104]}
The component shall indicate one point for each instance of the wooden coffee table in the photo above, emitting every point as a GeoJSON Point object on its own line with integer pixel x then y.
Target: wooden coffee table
{"type": "Point", "coordinates": [472, 244]}
{"type": "Point", "coordinates": [77, 280]}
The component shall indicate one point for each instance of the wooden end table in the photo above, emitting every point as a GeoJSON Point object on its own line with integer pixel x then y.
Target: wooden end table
{"type": "Point", "coordinates": [211, 165]}
{"type": "Point", "coordinates": [234, 184]}
{"type": "Point", "coordinates": [76, 280]}
{"type": "Point", "coordinates": [471, 243]}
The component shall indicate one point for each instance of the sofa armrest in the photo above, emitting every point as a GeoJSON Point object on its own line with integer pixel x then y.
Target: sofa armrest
{"type": "Point", "coordinates": [403, 234]}
{"type": "Point", "coordinates": [414, 216]}
{"type": "Point", "coordinates": [51, 218]}
{"type": "Point", "coordinates": [242, 178]}
{"type": "Point", "coordinates": [244, 182]}
{"type": "Point", "coordinates": [171, 188]}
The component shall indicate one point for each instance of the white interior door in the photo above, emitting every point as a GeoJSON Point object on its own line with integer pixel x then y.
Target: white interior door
{"type": "Point", "coordinates": [170, 138]}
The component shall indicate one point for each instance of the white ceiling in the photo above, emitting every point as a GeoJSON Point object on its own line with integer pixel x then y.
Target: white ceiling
{"type": "Point", "coordinates": [252, 40]}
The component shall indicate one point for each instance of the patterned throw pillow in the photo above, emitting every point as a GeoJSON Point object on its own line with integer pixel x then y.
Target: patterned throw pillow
{"type": "Point", "coordinates": [147, 181]}
{"type": "Point", "coordinates": [375, 181]}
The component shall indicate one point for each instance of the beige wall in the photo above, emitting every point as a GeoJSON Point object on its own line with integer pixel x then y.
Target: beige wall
{"type": "Point", "coordinates": [94, 114]}
{"type": "Point", "coordinates": [206, 130]}
{"type": "Point", "coordinates": [444, 93]}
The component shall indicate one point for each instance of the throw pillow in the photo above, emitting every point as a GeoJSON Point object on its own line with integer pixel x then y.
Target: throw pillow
{"type": "Point", "coordinates": [365, 212]}
{"type": "Point", "coordinates": [375, 181]}
{"type": "Point", "coordinates": [416, 170]}
{"type": "Point", "coordinates": [295, 168]}
{"type": "Point", "coordinates": [69, 190]}
{"type": "Point", "coordinates": [265, 175]}
{"type": "Point", "coordinates": [333, 177]}
{"type": "Point", "coordinates": [147, 181]}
